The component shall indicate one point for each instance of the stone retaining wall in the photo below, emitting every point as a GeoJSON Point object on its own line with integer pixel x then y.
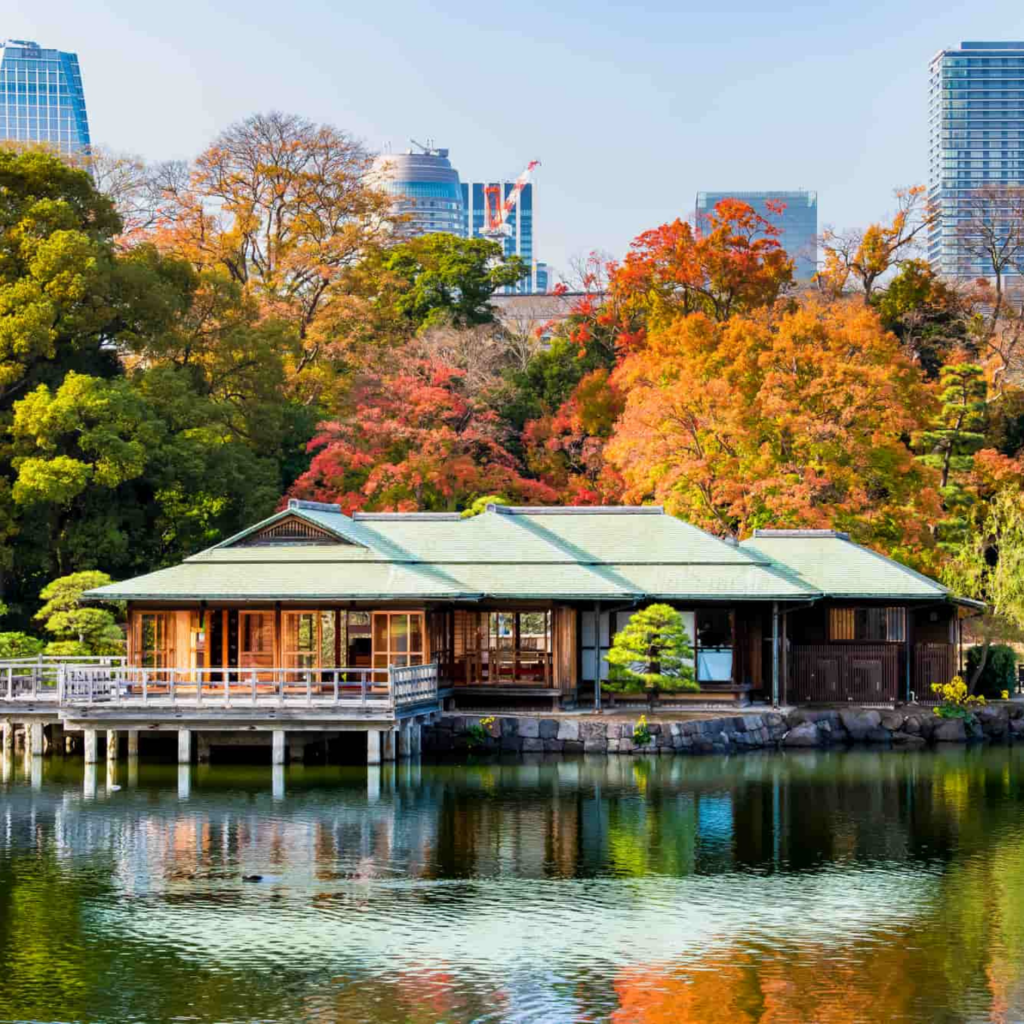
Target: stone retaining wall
{"type": "Point", "coordinates": [906, 728]}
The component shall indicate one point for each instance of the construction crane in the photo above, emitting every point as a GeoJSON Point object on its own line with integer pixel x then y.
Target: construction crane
{"type": "Point", "coordinates": [496, 212]}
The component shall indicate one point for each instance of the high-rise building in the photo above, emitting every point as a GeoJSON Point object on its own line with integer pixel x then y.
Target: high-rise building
{"type": "Point", "coordinates": [798, 222]}
{"type": "Point", "coordinates": [426, 190]}
{"type": "Point", "coordinates": [976, 146]}
{"type": "Point", "coordinates": [519, 240]}
{"type": "Point", "coordinates": [41, 97]}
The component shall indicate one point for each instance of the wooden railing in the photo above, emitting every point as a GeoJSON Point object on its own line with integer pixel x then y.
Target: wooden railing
{"type": "Point", "coordinates": [842, 673]}
{"type": "Point", "coordinates": [498, 666]}
{"type": "Point", "coordinates": [413, 684]}
{"type": "Point", "coordinates": [381, 690]}
{"type": "Point", "coordinates": [38, 678]}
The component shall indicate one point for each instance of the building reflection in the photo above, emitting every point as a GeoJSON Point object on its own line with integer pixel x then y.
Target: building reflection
{"type": "Point", "coordinates": [762, 888]}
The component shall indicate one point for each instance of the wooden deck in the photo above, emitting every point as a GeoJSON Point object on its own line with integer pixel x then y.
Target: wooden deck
{"type": "Point", "coordinates": [90, 696]}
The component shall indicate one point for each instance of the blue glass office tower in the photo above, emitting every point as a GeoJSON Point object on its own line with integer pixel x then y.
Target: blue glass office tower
{"type": "Point", "coordinates": [976, 140]}
{"type": "Point", "coordinates": [41, 97]}
{"type": "Point", "coordinates": [798, 223]}
{"type": "Point", "coordinates": [426, 190]}
{"type": "Point", "coordinates": [519, 241]}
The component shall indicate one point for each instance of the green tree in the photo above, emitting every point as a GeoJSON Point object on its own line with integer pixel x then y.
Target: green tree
{"type": "Point", "coordinates": [93, 630]}
{"type": "Point", "coordinates": [1000, 672]}
{"type": "Point", "coordinates": [441, 279]}
{"type": "Point", "coordinates": [988, 565]}
{"type": "Point", "coordinates": [652, 652]}
{"type": "Point", "coordinates": [957, 432]}
{"type": "Point", "coordinates": [926, 314]}
{"type": "Point", "coordinates": [19, 645]}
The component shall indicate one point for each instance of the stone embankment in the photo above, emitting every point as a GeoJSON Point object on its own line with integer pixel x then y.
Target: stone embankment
{"type": "Point", "coordinates": [904, 728]}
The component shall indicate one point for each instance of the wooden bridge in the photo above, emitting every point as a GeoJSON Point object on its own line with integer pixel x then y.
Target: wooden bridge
{"type": "Point", "coordinates": [288, 706]}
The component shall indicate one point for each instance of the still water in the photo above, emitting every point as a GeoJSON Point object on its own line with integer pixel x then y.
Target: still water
{"type": "Point", "coordinates": [839, 887]}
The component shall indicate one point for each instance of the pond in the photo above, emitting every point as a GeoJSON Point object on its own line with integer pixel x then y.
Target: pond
{"type": "Point", "coordinates": [826, 886]}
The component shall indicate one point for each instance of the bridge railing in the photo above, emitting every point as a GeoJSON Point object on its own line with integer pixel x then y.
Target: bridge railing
{"type": "Point", "coordinates": [38, 678]}
{"type": "Point", "coordinates": [380, 690]}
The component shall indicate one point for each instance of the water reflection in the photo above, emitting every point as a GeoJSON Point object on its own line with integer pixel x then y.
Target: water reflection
{"type": "Point", "coordinates": [844, 887]}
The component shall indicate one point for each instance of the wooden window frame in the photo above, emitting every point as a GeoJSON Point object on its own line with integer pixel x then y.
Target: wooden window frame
{"type": "Point", "coordinates": [167, 651]}
{"type": "Point", "coordinates": [287, 653]}
{"type": "Point", "coordinates": [243, 655]}
{"type": "Point", "coordinates": [850, 612]}
{"type": "Point", "coordinates": [423, 653]}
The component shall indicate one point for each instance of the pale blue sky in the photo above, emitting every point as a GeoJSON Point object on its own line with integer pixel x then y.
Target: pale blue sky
{"type": "Point", "coordinates": [631, 109]}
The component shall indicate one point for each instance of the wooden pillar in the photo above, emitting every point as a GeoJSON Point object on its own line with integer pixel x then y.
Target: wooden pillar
{"type": "Point", "coordinates": [184, 746]}
{"type": "Point", "coordinates": [202, 749]}
{"type": "Point", "coordinates": [405, 739]}
{"type": "Point", "coordinates": [89, 736]}
{"type": "Point", "coordinates": [8, 739]}
{"type": "Point", "coordinates": [415, 737]}
{"type": "Point", "coordinates": [775, 653]}
{"type": "Point", "coordinates": [278, 747]}
{"type": "Point", "coordinates": [389, 738]}
{"type": "Point", "coordinates": [35, 739]}
{"type": "Point", "coordinates": [133, 742]}
{"type": "Point", "coordinates": [111, 744]}
{"type": "Point", "coordinates": [374, 746]}
{"type": "Point", "coordinates": [784, 658]}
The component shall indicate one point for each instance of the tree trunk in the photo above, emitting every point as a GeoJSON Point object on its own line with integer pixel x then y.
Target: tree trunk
{"type": "Point", "coordinates": [981, 665]}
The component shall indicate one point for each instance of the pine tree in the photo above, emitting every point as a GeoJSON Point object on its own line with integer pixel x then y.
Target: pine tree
{"type": "Point", "coordinates": [950, 443]}
{"type": "Point", "coordinates": [653, 651]}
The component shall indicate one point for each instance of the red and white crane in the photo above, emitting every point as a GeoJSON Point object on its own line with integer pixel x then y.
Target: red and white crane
{"type": "Point", "coordinates": [496, 212]}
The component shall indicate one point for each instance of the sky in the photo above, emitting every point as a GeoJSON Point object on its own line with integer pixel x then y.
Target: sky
{"type": "Point", "coordinates": [631, 109]}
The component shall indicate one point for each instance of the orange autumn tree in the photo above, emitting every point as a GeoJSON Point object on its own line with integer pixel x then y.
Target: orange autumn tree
{"type": "Point", "coordinates": [863, 257]}
{"type": "Point", "coordinates": [796, 419]}
{"type": "Point", "coordinates": [731, 262]}
{"type": "Point", "coordinates": [288, 210]}
{"type": "Point", "coordinates": [415, 440]}
{"type": "Point", "coordinates": [566, 449]}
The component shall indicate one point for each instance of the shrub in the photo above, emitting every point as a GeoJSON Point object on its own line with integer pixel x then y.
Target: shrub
{"type": "Point", "coordinates": [1000, 672]}
{"type": "Point", "coordinates": [956, 702]}
{"type": "Point", "coordinates": [19, 645]}
{"type": "Point", "coordinates": [641, 733]}
{"type": "Point", "coordinates": [478, 733]}
{"type": "Point", "coordinates": [653, 651]}
{"type": "Point", "coordinates": [67, 648]}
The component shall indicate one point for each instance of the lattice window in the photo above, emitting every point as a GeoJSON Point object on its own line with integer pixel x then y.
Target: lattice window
{"type": "Point", "coordinates": [291, 530]}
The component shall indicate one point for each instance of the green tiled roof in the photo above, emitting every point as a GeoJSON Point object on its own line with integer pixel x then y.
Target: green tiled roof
{"type": "Point", "coordinates": [610, 554]}
{"type": "Point", "coordinates": [837, 567]}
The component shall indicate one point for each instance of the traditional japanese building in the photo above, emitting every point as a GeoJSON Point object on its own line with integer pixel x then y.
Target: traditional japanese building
{"type": "Point", "coordinates": [520, 605]}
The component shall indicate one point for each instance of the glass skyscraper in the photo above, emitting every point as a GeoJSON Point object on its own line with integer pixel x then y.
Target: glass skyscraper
{"type": "Point", "coordinates": [798, 223]}
{"type": "Point", "coordinates": [976, 141]}
{"type": "Point", "coordinates": [519, 241]}
{"type": "Point", "coordinates": [41, 97]}
{"type": "Point", "coordinates": [426, 190]}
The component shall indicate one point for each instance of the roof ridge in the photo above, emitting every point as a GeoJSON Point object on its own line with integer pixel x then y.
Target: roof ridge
{"type": "Point", "coordinates": [411, 517]}
{"type": "Point", "coordinates": [577, 510]}
{"type": "Point", "coordinates": [838, 534]}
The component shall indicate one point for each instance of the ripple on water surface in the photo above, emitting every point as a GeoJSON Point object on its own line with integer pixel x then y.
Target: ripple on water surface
{"type": "Point", "coordinates": [847, 887]}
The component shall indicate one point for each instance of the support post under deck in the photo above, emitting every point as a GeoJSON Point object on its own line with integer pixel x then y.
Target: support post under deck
{"type": "Point", "coordinates": [374, 746]}
{"type": "Point", "coordinates": [111, 744]}
{"type": "Point", "coordinates": [279, 747]}
{"type": "Point", "coordinates": [89, 743]}
{"type": "Point", "coordinates": [184, 746]}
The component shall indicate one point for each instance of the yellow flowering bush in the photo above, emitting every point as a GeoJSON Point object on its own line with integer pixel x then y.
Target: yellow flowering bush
{"type": "Point", "coordinates": [478, 732]}
{"type": "Point", "coordinates": [955, 699]}
{"type": "Point", "coordinates": [641, 733]}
